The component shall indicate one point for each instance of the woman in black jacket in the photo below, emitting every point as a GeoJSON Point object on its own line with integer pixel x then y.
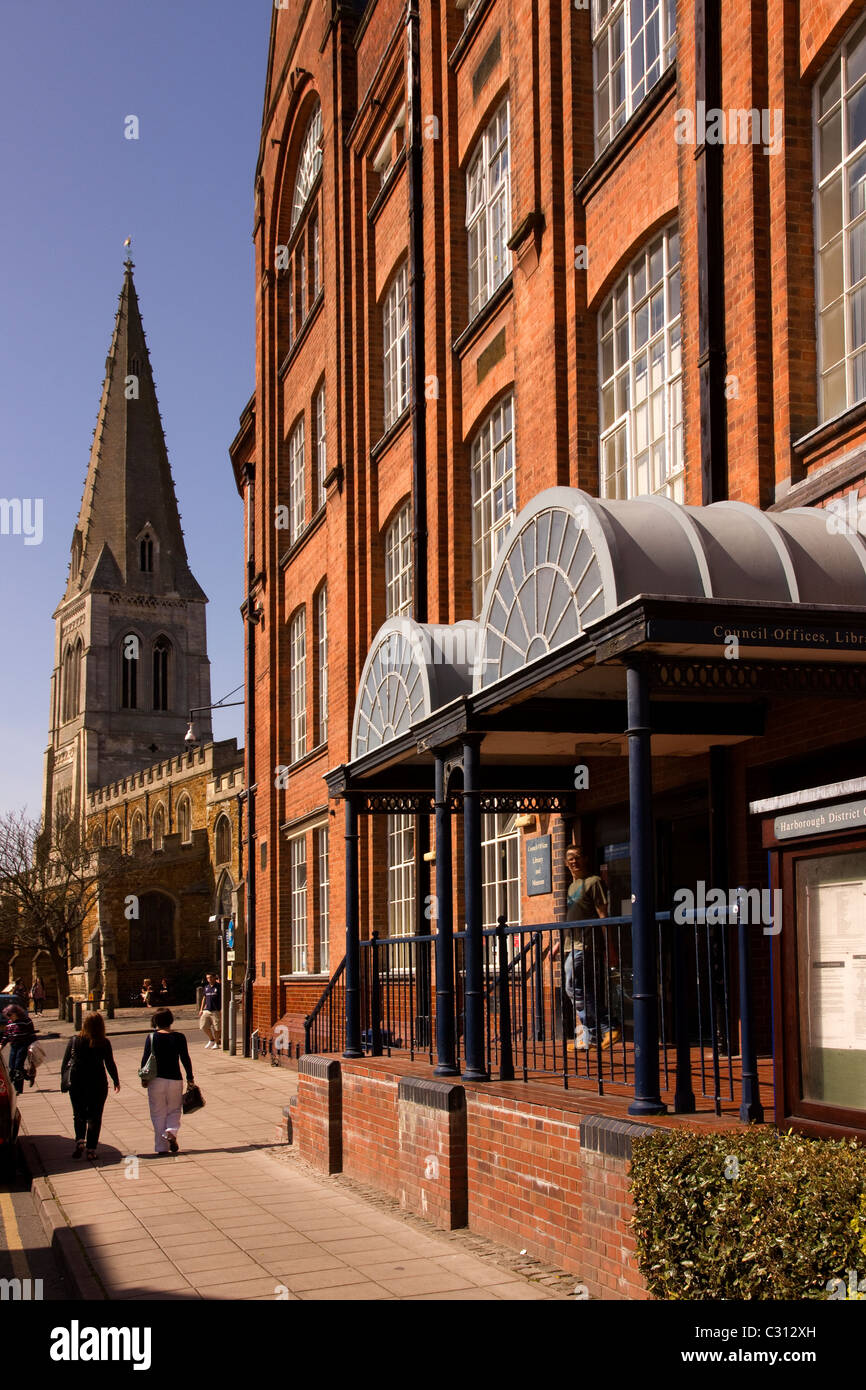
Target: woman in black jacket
{"type": "Point", "coordinates": [89, 1056]}
{"type": "Point", "coordinates": [165, 1090]}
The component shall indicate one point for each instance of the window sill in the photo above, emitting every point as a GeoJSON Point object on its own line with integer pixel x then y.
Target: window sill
{"type": "Point", "coordinates": [298, 544]}
{"type": "Point", "coordinates": [305, 976]}
{"type": "Point", "coordinates": [476, 327]}
{"type": "Point", "coordinates": [467, 38]}
{"type": "Point", "coordinates": [624, 140]}
{"type": "Point", "coordinates": [302, 334]}
{"type": "Point", "coordinates": [387, 439]}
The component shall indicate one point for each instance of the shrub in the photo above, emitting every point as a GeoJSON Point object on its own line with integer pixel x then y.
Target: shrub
{"type": "Point", "coordinates": [747, 1214]}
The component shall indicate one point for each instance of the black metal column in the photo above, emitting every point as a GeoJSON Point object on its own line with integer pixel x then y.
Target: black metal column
{"type": "Point", "coordinates": [751, 1109]}
{"type": "Point", "coordinates": [445, 1049]}
{"type": "Point", "coordinates": [647, 1099]}
{"type": "Point", "coordinates": [353, 940]}
{"type": "Point", "coordinates": [475, 1068]}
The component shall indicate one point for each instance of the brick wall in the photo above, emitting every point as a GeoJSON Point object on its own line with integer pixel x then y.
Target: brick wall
{"type": "Point", "coordinates": [535, 1177]}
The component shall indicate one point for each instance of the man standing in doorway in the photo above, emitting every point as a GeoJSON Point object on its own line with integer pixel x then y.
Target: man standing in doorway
{"type": "Point", "coordinates": [587, 902]}
{"type": "Point", "coordinates": [209, 1013]}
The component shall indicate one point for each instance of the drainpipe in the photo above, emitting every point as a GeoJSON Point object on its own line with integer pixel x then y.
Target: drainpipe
{"type": "Point", "coordinates": [250, 795]}
{"type": "Point", "coordinates": [416, 313]}
{"type": "Point", "coordinates": [415, 161]}
{"type": "Point", "coordinates": [712, 357]}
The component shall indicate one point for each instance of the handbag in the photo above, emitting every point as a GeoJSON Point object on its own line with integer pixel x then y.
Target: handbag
{"type": "Point", "coordinates": [147, 1072]}
{"type": "Point", "coordinates": [192, 1099]}
{"type": "Point", "coordinates": [36, 1055]}
{"type": "Point", "coordinates": [67, 1071]}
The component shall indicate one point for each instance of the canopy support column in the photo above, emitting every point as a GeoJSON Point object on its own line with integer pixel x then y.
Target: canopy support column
{"type": "Point", "coordinates": [647, 1099]}
{"type": "Point", "coordinates": [473, 995]}
{"type": "Point", "coordinates": [445, 1048]}
{"type": "Point", "coordinates": [353, 940]}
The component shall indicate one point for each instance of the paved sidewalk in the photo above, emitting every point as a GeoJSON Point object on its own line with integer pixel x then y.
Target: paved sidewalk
{"type": "Point", "coordinates": [224, 1220]}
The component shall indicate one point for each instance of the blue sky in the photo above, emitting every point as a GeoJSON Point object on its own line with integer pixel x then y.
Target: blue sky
{"type": "Point", "coordinates": [193, 73]}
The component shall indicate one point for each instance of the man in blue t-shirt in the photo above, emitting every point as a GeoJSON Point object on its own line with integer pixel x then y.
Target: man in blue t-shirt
{"type": "Point", "coordinates": [209, 1013]}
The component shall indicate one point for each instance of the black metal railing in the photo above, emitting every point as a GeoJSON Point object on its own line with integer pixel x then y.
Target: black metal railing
{"type": "Point", "coordinates": [558, 1004]}
{"type": "Point", "coordinates": [325, 1027]}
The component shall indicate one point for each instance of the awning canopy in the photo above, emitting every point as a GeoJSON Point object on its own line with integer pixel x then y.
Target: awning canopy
{"type": "Point", "coordinates": [579, 580]}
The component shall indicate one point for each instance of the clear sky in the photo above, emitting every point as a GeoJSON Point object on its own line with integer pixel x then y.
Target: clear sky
{"type": "Point", "coordinates": [73, 187]}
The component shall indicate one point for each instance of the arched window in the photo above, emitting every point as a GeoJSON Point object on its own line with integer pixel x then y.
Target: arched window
{"type": "Point", "coordinates": [309, 164]}
{"type": "Point", "coordinates": [493, 487]}
{"type": "Point", "coordinates": [395, 348]}
{"type": "Point", "coordinates": [398, 565]}
{"type": "Point", "coordinates": [129, 655]}
{"type": "Point", "coordinates": [96, 838]}
{"type": "Point", "coordinates": [223, 840]}
{"type": "Point", "coordinates": [137, 827]}
{"type": "Point", "coordinates": [116, 832]}
{"type": "Point", "coordinates": [298, 684]}
{"type": "Point", "coordinates": [184, 820]}
{"type": "Point", "coordinates": [151, 934]}
{"type": "Point", "coordinates": [488, 211]}
{"type": "Point", "coordinates": [145, 553]}
{"type": "Point", "coordinates": [161, 649]}
{"type": "Point", "coordinates": [159, 828]}
{"type": "Point", "coordinates": [640, 376]}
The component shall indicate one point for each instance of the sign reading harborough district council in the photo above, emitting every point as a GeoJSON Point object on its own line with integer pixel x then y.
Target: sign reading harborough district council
{"type": "Point", "coordinates": [820, 820]}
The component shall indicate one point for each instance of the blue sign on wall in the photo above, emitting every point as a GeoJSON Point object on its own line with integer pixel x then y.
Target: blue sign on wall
{"type": "Point", "coordinates": [230, 935]}
{"type": "Point", "coordinates": [538, 865]}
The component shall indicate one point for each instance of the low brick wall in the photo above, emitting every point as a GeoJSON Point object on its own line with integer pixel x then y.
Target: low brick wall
{"type": "Point", "coordinates": [534, 1177]}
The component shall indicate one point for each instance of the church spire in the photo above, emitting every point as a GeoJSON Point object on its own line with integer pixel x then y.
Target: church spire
{"type": "Point", "coordinates": [128, 532]}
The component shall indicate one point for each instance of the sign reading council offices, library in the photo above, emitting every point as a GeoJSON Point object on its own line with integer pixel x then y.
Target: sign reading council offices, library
{"type": "Point", "coordinates": [820, 820]}
{"type": "Point", "coordinates": [758, 634]}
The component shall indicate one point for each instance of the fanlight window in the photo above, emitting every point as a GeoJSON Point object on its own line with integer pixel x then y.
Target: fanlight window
{"type": "Point", "coordinates": [309, 164]}
{"type": "Point", "coordinates": [393, 695]}
{"type": "Point", "coordinates": [547, 588]}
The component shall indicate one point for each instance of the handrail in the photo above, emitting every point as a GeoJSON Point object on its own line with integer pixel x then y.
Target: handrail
{"type": "Point", "coordinates": [326, 993]}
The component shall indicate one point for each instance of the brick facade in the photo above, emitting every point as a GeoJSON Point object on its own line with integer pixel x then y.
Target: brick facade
{"type": "Point", "coordinates": [536, 340]}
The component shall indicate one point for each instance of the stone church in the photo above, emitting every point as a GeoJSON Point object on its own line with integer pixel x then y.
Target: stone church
{"type": "Point", "coordinates": [130, 663]}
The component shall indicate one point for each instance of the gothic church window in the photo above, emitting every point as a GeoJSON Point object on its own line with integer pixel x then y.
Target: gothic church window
{"type": "Point", "coordinates": [159, 828]}
{"type": "Point", "coordinates": [145, 554]}
{"type": "Point", "coordinates": [116, 832]}
{"type": "Point", "coordinates": [137, 827]}
{"type": "Point", "coordinates": [161, 648]}
{"type": "Point", "coordinates": [129, 652]}
{"type": "Point", "coordinates": [223, 840]}
{"type": "Point", "coordinates": [184, 820]}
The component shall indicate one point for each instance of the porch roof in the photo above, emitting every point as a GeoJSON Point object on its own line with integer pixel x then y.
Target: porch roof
{"type": "Point", "coordinates": [580, 588]}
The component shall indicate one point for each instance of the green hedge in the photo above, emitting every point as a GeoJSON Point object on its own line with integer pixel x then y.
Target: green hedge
{"type": "Point", "coordinates": [789, 1216]}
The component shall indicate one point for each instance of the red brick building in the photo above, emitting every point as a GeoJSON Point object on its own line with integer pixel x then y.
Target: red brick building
{"type": "Point", "coordinates": [615, 249]}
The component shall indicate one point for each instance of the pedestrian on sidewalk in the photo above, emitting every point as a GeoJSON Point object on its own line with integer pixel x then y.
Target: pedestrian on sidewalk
{"type": "Point", "coordinates": [165, 1090]}
{"type": "Point", "coordinates": [19, 1033]}
{"type": "Point", "coordinates": [37, 994]}
{"type": "Point", "coordinates": [209, 1012]}
{"type": "Point", "coordinates": [149, 994]}
{"type": "Point", "coordinates": [87, 1058]}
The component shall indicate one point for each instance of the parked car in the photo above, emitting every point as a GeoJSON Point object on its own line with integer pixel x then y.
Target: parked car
{"type": "Point", "coordinates": [10, 1120]}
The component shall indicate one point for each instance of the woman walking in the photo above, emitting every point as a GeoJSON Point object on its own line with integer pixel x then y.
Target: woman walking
{"type": "Point", "coordinates": [87, 1058]}
{"type": "Point", "coordinates": [165, 1090]}
{"type": "Point", "coordinates": [37, 994]}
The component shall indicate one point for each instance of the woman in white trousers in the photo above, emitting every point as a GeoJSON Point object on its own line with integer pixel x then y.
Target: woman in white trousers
{"type": "Point", "coordinates": [165, 1090]}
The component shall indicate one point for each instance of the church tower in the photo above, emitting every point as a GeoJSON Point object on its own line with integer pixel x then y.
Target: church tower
{"type": "Point", "coordinates": [130, 654]}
